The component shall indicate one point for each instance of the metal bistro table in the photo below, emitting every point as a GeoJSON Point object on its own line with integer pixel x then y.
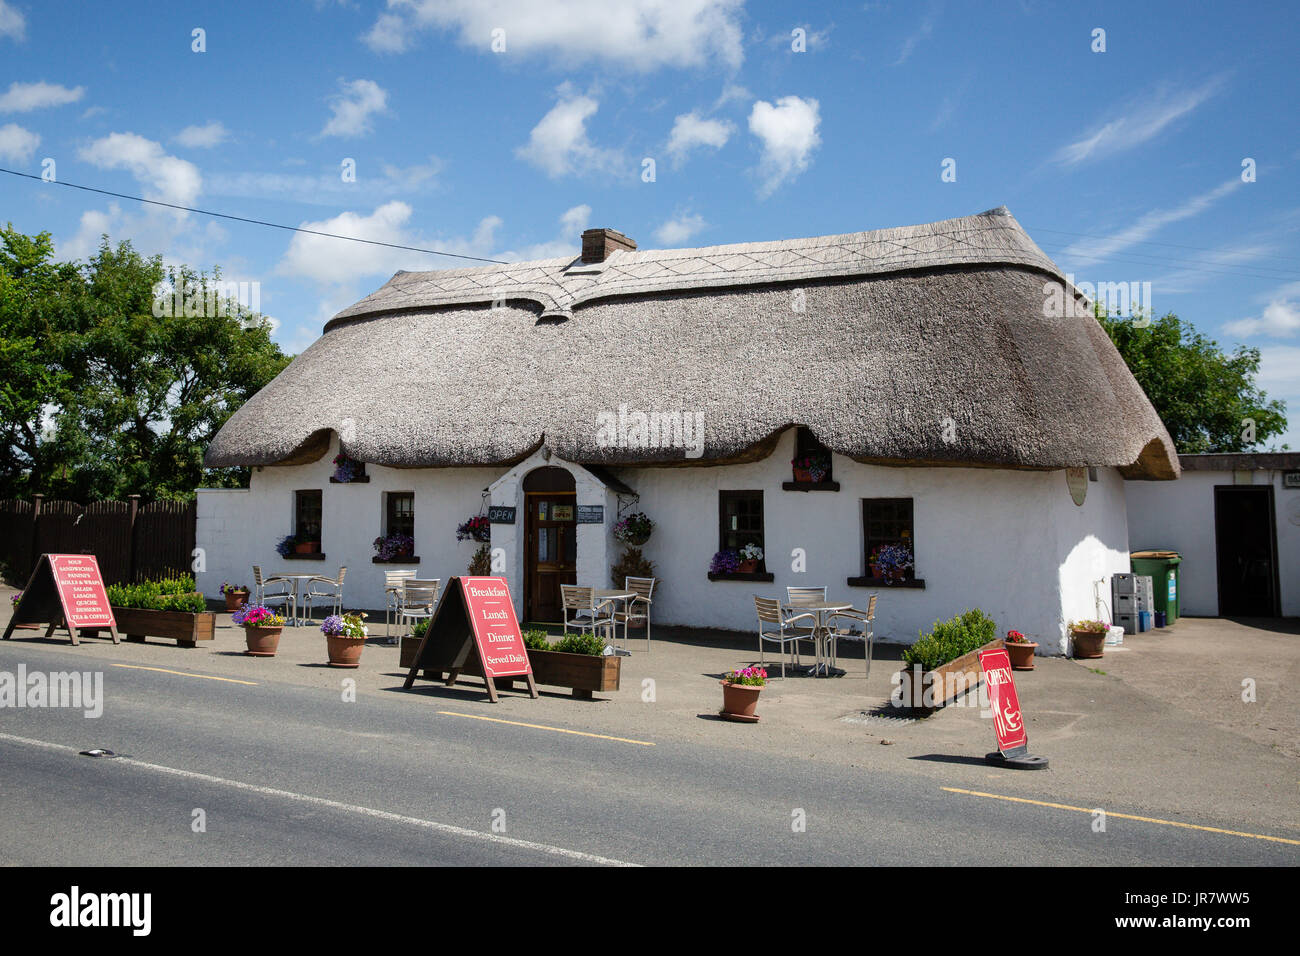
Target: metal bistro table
{"type": "Point", "coordinates": [616, 594]}
{"type": "Point", "coordinates": [297, 580]}
{"type": "Point", "coordinates": [821, 608]}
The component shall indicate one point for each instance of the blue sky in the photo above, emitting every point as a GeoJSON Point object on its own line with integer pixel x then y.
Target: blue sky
{"type": "Point", "coordinates": [1124, 165]}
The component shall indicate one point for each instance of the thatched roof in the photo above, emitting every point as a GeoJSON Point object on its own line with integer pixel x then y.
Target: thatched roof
{"type": "Point", "coordinates": [870, 339]}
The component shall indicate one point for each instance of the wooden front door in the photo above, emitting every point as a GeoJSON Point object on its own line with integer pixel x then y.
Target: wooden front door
{"type": "Point", "coordinates": [551, 552]}
{"type": "Point", "coordinates": [550, 541]}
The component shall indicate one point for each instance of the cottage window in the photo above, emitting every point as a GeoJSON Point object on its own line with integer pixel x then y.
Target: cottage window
{"type": "Point", "coordinates": [307, 515]}
{"type": "Point", "coordinates": [399, 517]}
{"type": "Point", "coordinates": [740, 519]}
{"type": "Point", "coordinates": [887, 521]}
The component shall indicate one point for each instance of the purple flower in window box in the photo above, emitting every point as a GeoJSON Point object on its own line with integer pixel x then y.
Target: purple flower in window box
{"type": "Point", "coordinates": [725, 562]}
{"type": "Point", "coordinates": [394, 546]}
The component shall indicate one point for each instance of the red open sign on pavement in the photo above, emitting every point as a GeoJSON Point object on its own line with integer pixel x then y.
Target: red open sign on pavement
{"type": "Point", "coordinates": [1004, 702]}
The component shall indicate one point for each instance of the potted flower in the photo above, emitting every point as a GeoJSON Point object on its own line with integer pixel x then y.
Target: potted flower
{"type": "Point", "coordinates": [893, 562]}
{"type": "Point", "coordinates": [740, 690]}
{"type": "Point", "coordinates": [1021, 651]}
{"type": "Point", "coordinates": [475, 529]}
{"type": "Point", "coordinates": [811, 468]}
{"type": "Point", "coordinates": [724, 562]}
{"type": "Point", "coordinates": [236, 595]}
{"type": "Point", "coordinates": [262, 628]}
{"type": "Point", "coordinates": [1089, 638]}
{"type": "Point", "coordinates": [750, 555]}
{"type": "Point", "coordinates": [286, 545]}
{"type": "Point", "coordinates": [394, 547]}
{"type": "Point", "coordinates": [634, 529]}
{"type": "Point", "coordinates": [345, 637]}
{"type": "Point", "coordinates": [15, 598]}
{"type": "Point", "coordinates": [306, 543]}
{"type": "Point", "coordinates": [347, 469]}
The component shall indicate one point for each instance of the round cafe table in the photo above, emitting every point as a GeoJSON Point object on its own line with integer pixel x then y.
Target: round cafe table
{"type": "Point", "coordinates": [616, 594]}
{"type": "Point", "coordinates": [821, 608]}
{"type": "Point", "coordinates": [297, 580]}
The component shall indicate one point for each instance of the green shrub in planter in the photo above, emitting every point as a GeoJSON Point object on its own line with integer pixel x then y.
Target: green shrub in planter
{"type": "Point", "coordinates": [584, 643]}
{"type": "Point", "coordinates": [535, 639]}
{"type": "Point", "coordinates": [951, 639]}
{"type": "Point", "coordinates": [169, 594]}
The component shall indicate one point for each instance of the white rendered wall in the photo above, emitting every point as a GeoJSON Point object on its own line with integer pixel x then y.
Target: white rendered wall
{"type": "Point", "coordinates": [1010, 542]}
{"type": "Point", "coordinates": [1179, 515]}
{"type": "Point", "coordinates": [241, 529]}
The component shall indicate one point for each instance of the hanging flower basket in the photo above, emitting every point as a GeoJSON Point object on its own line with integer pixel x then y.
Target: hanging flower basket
{"type": "Point", "coordinates": [476, 528]}
{"type": "Point", "coordinates": [635, 529]}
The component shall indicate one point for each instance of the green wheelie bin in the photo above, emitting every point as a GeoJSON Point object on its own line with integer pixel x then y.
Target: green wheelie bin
{"type": "Point", "coordinates": [1162, 566]}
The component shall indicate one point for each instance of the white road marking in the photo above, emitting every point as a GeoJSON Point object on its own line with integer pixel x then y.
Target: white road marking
{"type": "Point", "coordinates": [447, 828]}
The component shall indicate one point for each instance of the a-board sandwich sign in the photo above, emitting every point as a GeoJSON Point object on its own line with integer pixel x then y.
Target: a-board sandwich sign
{"type": "Point", "coordinates": [475, 616]}
{"type": "Point", "coordinates": [68, 590]}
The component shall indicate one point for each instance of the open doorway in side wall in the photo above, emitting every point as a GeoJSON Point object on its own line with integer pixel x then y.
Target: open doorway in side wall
{"type": "Point", "coordinates": [1245, 536]}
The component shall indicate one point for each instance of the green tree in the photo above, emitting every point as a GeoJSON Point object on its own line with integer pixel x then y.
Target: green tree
{"type": "Point", "coordinates": [1206, 397]}
{"type": "Point", "coordinates": [127, 399]}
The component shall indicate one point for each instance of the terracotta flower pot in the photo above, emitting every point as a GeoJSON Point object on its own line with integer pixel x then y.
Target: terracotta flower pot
{"type": "Point", "coordinates": [748, 567]}
{"type": "Point", "coordinates": [262, 641]}
{"type": "Point", "coordinates": [739, 699]}
{"type": "Point", "coordinates": [236, 599]}
{"type": "Point", "coordinates": [1087, 646]}
{"type": "Point", "coordinates": [307, 547]}
{"type": "Point", "coordinates": [1022, 655]}
{"type": "Point", "coordinates": [344, 651]}
{"type": "Point", "coordinates": [803, 474]}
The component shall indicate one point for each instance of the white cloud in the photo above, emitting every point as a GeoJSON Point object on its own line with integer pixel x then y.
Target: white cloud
{"type": "Point", "coordinates": [1148, 224]}
{"type": "Point", "coordinates": [327, 188]}
{"type": "Point", "coordinates": [331, 261]}
{"type": "Point", "coordinates": [1280, 319]}
{"type": "Point", "coordinates": [691, 130]}
{"type": "Point", "coordinates": [164, 177]}
{"type": "Point", "coordinates": [567, 243]}
{"type": "Point", "coordinates": [640, 35]}
{"type": "Point", "coordinates": [388, 35]}
{"type": "Point", "coordinates": [558, 144]}
{"type": "Point", "coordinates": [12, 22]}
{"type": "Point", "coordinates": [203, 137]}
{"type": "Point", "coordinates": [25, 97]}
{"type": "Point", "coordinates": [788, 132]}
{"type": "Point", "coordinates": [1139, 122]}
{"type": "Point", "coordinates": [923, 32]}
{"type": "Point", "coordinates": [17, 145]}
{"type": "Point", "coordinates": [353, 107]}
{"type": "Point", "coordinates": [679, 229]}
{"type": "Point", "coordinates": [413, 177]}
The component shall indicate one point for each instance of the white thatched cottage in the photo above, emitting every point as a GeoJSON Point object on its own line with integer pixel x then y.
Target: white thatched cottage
{"type": "Point", "coordinates": [948, 400]}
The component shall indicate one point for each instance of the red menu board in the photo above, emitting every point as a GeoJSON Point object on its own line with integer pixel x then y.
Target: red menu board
{"type": "Point", "coordinates": [1004, 702]}
{"type": "Point", "coordinates": [495, 626]}
{"type": "Point", "coordinates": [81, 590]}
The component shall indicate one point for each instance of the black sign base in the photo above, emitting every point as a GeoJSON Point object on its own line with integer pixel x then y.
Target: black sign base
{"type": "Point", "coordinates": [1017, 762]}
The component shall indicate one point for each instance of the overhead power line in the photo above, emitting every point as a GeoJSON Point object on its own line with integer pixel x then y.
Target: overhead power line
{"type": "Point", "coordinates": [255, 222]}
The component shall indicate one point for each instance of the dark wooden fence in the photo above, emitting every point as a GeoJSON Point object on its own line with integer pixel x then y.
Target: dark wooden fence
{"type": "Point", "coordinates": [131, 541]}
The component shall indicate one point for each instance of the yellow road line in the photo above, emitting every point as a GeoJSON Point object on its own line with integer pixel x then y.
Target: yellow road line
{"type": "Point", "coordinates": [163, 670]}
{"type": "Point", "coordinates": [558, 730]}
{"type": "Point", "coordinates": [1123, 816]}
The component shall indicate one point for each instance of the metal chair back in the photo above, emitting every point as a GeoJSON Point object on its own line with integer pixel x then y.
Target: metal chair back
{"type": "Point", "coordinates": [803, 596]}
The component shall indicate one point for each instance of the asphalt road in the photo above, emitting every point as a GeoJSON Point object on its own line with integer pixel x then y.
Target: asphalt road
{"type": "Point", "coordinates": [290, 774]}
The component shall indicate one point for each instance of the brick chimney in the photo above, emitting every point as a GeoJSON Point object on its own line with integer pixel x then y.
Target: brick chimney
{"type": "Point", "coordinates": [599, 244]}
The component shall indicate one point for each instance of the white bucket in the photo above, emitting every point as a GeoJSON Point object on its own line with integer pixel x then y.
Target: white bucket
{"type": "Point", "coordinates": [1115, 635]}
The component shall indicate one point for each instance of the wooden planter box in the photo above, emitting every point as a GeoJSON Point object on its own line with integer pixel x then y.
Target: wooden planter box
{"type": "Point", "coordinates": [950, 680]}
{"type": "Point", "coordinates": [581, 673]}
{"type": "Point", "coordinates": [186, 629]}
